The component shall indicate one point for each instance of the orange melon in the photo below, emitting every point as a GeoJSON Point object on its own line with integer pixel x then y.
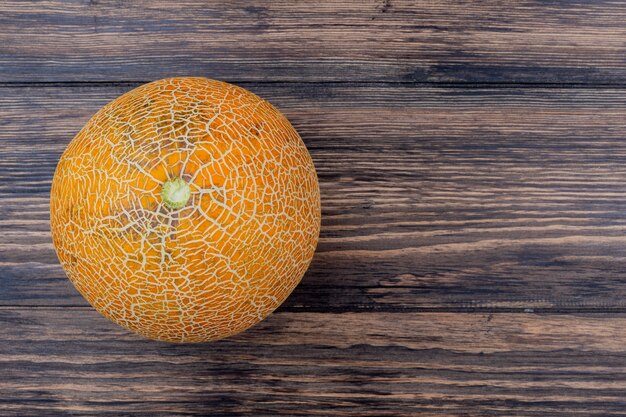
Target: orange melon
{"type": "Point", "coordinates": [186, 210]}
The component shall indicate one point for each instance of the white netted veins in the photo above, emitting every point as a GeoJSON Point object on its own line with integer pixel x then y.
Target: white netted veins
{"type": "Point", "coordinates": [186, 210]}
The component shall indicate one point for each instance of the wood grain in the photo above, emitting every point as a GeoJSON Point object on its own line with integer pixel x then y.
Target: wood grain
{"type": "Point", "coordinates": [74, 362]}
{"type": "Point", "coordinates": [433, 198]}
{"type": "Point", "coordinates": [473, 172]}
{"type": "Point", "coordinates": [376, 40]}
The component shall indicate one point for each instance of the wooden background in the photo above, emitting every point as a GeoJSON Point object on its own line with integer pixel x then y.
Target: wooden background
{"type": "Point", "coordinates": [472, 161]}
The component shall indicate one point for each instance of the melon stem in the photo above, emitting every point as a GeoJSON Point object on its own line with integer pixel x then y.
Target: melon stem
{"type": "Point", "coordinates": [175, 193]}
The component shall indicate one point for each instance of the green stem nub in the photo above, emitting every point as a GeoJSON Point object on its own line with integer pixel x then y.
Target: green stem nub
{"type": "Point", "coordinates": [175, 193]}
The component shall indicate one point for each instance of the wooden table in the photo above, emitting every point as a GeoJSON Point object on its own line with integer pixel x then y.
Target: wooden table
{"type": "Point", "coordinates": [472, 160]}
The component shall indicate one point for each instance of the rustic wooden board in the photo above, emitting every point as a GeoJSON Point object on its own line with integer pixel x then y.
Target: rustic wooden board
{"type": "Point", "coordinates": [473, 172]}
{"type": "Point", "coordinates": [433, 198]}
{"type": "Point", "coordinates": [74, 362]}
{"type": "Point", "coordinates": [385, 40]}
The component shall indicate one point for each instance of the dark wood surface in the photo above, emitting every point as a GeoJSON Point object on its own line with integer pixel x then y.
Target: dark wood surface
{"type": "Point", "coordinates": [472, 162]}
{"type": "Point", "coordinates": [574, 41]}
{"type": "Point", "coordinates": [72, 362]}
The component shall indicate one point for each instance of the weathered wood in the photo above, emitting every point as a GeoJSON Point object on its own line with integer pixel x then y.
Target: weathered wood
{"type": "Point", "coordinates": [433, 198]}
{"type": "Point", "coordinates": [503, 199]}
{"type": "Point", "coordinates": [74, 362]}
{"type": "Point", "coordinates": [384, 40]}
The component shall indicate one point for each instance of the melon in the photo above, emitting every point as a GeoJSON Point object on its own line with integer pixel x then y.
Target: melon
{"type": "Point", "coordinates": [186, 210]}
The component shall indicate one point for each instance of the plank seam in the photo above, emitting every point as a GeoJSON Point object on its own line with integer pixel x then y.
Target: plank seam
{"type": "Point", "coordinates": [400, 310]}
{"type": "Point", "coordinates": [424, 84]}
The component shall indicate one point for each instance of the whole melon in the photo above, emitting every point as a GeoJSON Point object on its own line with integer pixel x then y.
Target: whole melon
{"type": "Point", "coordinates": [186, 210]}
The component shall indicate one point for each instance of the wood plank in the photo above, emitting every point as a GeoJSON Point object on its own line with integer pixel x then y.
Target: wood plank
{"type": "Point", "coordinates": [433, 198]}
{"type": "Point", "coordinates": [73, 362]}
{"type": "Point", "coordinates": [322, 40]}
